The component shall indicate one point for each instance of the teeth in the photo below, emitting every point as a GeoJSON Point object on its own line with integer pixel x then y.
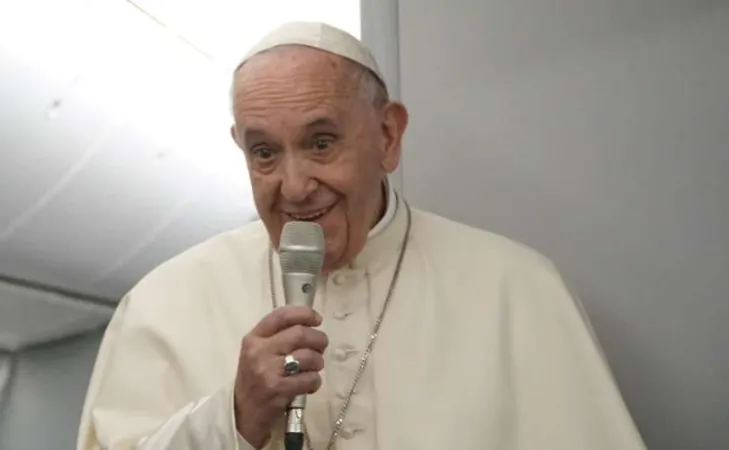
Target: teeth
{"type": "Point", "coordinates": [310, 216]}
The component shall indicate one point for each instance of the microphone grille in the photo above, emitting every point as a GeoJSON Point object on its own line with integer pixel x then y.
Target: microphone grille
{"type": "Point", "coordinates": [301, 249]}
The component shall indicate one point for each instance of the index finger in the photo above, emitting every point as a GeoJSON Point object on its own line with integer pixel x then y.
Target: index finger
{"type": "Point", "coordinates": [285, 317]}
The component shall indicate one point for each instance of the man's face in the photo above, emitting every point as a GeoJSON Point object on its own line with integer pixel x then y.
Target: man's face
{"type": "Point", "coordinates": [317, 149]}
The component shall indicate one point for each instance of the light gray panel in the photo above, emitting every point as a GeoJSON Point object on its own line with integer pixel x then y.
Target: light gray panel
{"type": "Point", "coordinates": [6, 367]}
{"type": "Point", "coordinates": [47, 393]}
{"type": "Point", "coordinates": [30, 317]}
{"type": "Point", "coordinates": [380, 34]}
{"type": "Point", "coordinates": [597, 132]}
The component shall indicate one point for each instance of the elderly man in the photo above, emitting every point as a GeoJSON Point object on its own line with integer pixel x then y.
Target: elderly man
{"type": "Point", "coordinates": [424, 334]}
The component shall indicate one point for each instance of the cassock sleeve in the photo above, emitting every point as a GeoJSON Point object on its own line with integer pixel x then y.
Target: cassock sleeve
{"type": "Point", "coordinates": [565, 396]}
{"type": "Point", "coordinates": [129, 405]}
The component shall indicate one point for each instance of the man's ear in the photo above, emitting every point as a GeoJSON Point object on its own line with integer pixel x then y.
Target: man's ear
{"type": "Point", "coordinates": [236, 137]}
{"type": "Point", "coordinates": [394, 122]}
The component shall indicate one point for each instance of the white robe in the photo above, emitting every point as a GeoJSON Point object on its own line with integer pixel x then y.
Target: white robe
{"type": "Point", "coordinates": [482, 347]}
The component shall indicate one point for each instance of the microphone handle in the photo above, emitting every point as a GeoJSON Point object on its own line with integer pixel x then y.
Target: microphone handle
{"type": "Point", "coordinates": [299, 289]}
{"type": "Point", "coordinates": [294, 433]}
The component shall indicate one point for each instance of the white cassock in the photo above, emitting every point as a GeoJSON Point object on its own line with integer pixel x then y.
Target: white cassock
{"type": "Point", "coordinates": [482, 346]}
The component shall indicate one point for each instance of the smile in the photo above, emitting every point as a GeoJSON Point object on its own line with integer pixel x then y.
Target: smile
{"type": "Point", "coordinates": [310, 215]}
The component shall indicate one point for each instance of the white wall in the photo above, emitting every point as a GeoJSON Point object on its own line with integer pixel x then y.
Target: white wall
{"type": "Point", "coordinates": [596, 131]}
{"type": "Point", "coordinates": [47, 391]}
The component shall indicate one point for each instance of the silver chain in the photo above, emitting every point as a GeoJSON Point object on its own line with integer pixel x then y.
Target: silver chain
{"type": "Point", "coordinates": [370, 344]}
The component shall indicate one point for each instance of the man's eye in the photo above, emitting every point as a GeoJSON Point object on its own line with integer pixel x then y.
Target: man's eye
{"type": "Point", "coordinates": [262, 152]}
{"type": "Point", "coordinates": [322, 143]}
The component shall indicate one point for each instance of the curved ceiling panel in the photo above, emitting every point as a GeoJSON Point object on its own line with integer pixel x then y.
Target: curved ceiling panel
{"type": "Point", "coordinates": [115, 146]}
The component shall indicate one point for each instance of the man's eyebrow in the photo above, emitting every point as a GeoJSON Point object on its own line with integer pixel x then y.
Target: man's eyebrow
{"type": "Point", "coordinates": [320, 122]}
{"type": "Point", "coordinates": [251, 134]}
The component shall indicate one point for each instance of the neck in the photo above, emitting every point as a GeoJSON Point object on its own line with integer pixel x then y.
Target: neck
{"type": "Point", "coordinates": [382, 205]}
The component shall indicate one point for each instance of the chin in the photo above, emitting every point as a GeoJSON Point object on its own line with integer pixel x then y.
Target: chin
{"type": "Point", "coordinates": [333, 251]}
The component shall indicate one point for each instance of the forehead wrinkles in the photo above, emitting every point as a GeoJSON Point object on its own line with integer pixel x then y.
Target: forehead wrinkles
{"type": "Point", "coordinates": [294, 78]}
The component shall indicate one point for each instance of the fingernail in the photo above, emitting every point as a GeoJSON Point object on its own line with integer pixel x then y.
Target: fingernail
{"type": "Point", "coordinates": [318, 316]}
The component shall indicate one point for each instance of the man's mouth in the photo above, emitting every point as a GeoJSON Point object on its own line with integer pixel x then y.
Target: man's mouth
{"type": "Point", "coordinates": [310, 215]}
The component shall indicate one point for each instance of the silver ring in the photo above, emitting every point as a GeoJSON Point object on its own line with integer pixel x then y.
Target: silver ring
{"type": "Point", "coordinates": [291, 365]}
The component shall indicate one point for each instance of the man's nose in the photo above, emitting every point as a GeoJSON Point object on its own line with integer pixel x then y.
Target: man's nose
{"type": "Point", "coordinates": [297, 183]}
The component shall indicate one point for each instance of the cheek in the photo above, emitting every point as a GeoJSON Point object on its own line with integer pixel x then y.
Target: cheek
{"type": "Point", "coordinates": [352, 182]}
{"type": "Point", "coordinates": [264, 192]}
{"type": "Point", "coordinates": [336, 227]}
{"type": "Point", "coordinates": [264, 197]}
{"type": "Point", "coordinates": [335, 223]}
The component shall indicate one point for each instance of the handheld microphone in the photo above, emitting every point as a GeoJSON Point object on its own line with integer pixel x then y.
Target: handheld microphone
{"type": "Point", "coordinates": [301, 255]}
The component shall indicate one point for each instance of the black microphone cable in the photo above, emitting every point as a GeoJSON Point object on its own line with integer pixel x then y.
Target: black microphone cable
{"type": "Point", "coordinates": [293, 441]}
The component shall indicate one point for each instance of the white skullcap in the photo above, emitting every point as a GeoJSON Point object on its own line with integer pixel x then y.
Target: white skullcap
{"type": "Point", "coordinates": [320, 36]}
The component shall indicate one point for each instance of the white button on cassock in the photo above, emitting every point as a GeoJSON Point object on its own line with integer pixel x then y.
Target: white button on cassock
{"type": "Point", "coordinates": [348, 433]}
{"type": "Point", "coordinates": [341, 279]}
{"type": "Point", "coordinates": [341, 315]}
{"type": "Point", "coordinates": [343, 395]}
{"type": "Point", "coordinates": [343, 353]}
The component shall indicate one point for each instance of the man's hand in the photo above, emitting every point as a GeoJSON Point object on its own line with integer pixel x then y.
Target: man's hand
{"type": "Point", "coordinates": [262, 390]}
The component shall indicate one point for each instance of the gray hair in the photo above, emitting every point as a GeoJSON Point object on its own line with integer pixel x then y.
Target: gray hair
{"type": "Point", "coordinates": [371, 87]}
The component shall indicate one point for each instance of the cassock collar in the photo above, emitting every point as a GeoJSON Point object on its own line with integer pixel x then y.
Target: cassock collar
{"type": "Point", "coordinates": [391, 207]}
{"type": "Point", "coordinates": [386, 237]}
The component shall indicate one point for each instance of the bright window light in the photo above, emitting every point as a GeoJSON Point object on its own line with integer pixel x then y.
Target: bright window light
{"type": "Point", "coordinates": [224, 29]}
{"type": "Point", "coordinates": [165, 65]}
